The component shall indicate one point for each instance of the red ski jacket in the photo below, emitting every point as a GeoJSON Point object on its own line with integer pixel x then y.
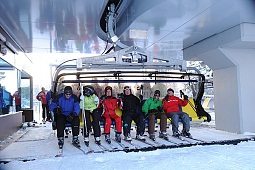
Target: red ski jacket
{"type": "Point", "coordinates": [17, 98]}
{"type": "Point", "coordinates": [172, 104]}
{"type": "Point", "coordinates": [110, 104]}
{"type": "Point", "coordinates": [41, 96]}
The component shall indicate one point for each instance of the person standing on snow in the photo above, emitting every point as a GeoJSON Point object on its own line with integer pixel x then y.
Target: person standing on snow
{"type": "Point", "coordinates": [66, 107]}
{"type": "Point", "coordinates": [90, 106]}
{"type": "Point", "coordinates": [17, 98]}
{"type": "Point", "coordinates": [49, 97]}
{"type": "Point", "coordinates": [152, 108]}
{"type": "Point", "coordinates": [171, 107]}
{"type": "Point", "coordinates": [110, 104]}
{"type": "Point", "coordinates": [41, 96]}
{"type": "Point", "coordinates": [131, 110]}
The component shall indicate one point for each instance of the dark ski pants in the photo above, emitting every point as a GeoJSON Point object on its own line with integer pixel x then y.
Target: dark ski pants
{"type": "Point", "coordinates": [175, 121]}
{"type": "Point", "coordinates": [95, 123]}
{"type": "Point", "coordinates": [46, 111]}
{"type": "Point", "coordinates": [61, 125]}
{"type": "Point", "coordinates": [151, 124]}
{"type": "Point", "coordinates": [138, 119]}
{"type": "Point", "coordinates": [18, 108]}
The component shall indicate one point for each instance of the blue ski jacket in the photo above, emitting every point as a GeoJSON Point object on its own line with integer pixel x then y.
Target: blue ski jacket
{"type": "Point", "coordinates": [67, 106]}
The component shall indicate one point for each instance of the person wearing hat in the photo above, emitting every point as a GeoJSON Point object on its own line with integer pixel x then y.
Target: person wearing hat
{"type": "Point", "coordinates": [131, 110]}
{"type": "Point", "coordinates": [109, 105]}
{"type": "Point", "coordinates": [66, 107]}
{"type": "Point", "coordinates": [152, 108]}
{"type": "Point", "coordinates": [91, 102]}
{"type": "Point", "coordinates": [171, 107]}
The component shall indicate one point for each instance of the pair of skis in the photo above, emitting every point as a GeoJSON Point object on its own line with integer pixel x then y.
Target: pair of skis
{"type": "Point", "coordinates": [182, 138]}
{"type": "Point", "coordinates": [60, 152]}
{"type": "Point", "coordinates": [145, 141]}
{"type": "Point", "coordinates": [86, 152]}
{"type": "Point", "coordinates": [137, 147]}
{"type": "Point", "coordinates": [114, 148]}
{"type": "Point", "coordinates": [125, 148]}
{"type": "Point", "coordinates": [189, 139]}
{"type": "Point", "coordinates": [89, 150]}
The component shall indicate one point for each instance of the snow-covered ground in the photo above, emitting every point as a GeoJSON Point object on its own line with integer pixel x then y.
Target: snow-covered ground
{"type": "Point", "coordinates": [213, 157]}
{"type": "Point", "coordinates": [216, 157]}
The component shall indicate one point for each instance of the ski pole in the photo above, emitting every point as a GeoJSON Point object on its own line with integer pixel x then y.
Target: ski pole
{"type": "Point", "coordinates": [192, 106]}
{"type": "Point", "coordinates": [146, 117]}
{"type": "Point", "coordinates": [83, 113]}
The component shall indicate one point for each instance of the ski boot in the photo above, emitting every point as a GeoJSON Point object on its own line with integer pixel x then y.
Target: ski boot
{"type": "Point", "coordinates": [186, 134]}
{"type": "Point", "coordinates": [118, 138]}
{"type": "Point", "coordinates": [128, 137]}
{"type": "Point", "coordinates": [86, 141]}
{"type": "Point", "coordinates": [107, 138]}
{"type": "Point", "coordinates": [76, 142]}
{"type": "Point", "coordinates": [97, 140]}
{"type": "Point", "coordinates": [60, 142]}
{"type": "Point", "coordinates": [163, 135]}
{"type": "Point", "coordinates": [140, 137]}
{"type": "Point", "coordinates": [176, 134]}
{"type": "Point", "coordinates": [152, 136]}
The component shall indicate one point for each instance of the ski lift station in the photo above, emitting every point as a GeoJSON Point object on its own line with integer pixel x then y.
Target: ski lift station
{"type": "Point", "coordinates": [132, 42]}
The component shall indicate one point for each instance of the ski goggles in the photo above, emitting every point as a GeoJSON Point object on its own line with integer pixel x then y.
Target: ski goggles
{"type": "Point", "coordinates": [127, 88]}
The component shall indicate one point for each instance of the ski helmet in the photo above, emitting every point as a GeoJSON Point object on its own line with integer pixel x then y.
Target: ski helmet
{"type": "Point", "coordinates": [68, 89]}
{"type": "Point", "coordinates": [88, 90]}
{"type": "Point", "coordinates": [108, 88]}
{"type": "Point", "coordinates": [126, 88]}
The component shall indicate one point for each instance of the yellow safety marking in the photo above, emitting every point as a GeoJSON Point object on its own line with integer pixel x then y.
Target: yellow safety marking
{"type": "Point", "coordinates": [192, 111]}
{"type": "Point", "coordinates": [205, 103]}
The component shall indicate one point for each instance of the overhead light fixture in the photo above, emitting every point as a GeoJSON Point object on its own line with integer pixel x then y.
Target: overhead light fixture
{"type": "Point", "coordinates": [2, 38]}
{"type": "Point", "coordinates": [11, 47]}
{"type": "Point", "coordinates": [138, 34]}
{"type": "Point", "coordinates": [114, 39]}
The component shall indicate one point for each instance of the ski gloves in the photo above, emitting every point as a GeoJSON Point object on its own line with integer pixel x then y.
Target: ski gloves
{"type": "Point", "coordinates": [154, 111]}
{"type": "Point", "coordinates": [185, 97]}
{"type": "Point", "coordinates": [70, 117]}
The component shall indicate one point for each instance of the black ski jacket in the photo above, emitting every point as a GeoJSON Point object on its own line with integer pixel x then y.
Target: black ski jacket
{"type": "Point", "coordinates": [131, 104]}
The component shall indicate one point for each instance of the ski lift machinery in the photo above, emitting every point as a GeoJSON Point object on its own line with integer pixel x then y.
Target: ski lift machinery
{"type": "Point", "coordinates": [132, 62]}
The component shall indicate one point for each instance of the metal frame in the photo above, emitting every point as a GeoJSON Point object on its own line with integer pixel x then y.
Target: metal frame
{"type": "Point", "coordinates": [119, 77]}
{"type": "Point", "coordinates": [145, 68]}
{"type": "Point", "coordinates": [132, 62]}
